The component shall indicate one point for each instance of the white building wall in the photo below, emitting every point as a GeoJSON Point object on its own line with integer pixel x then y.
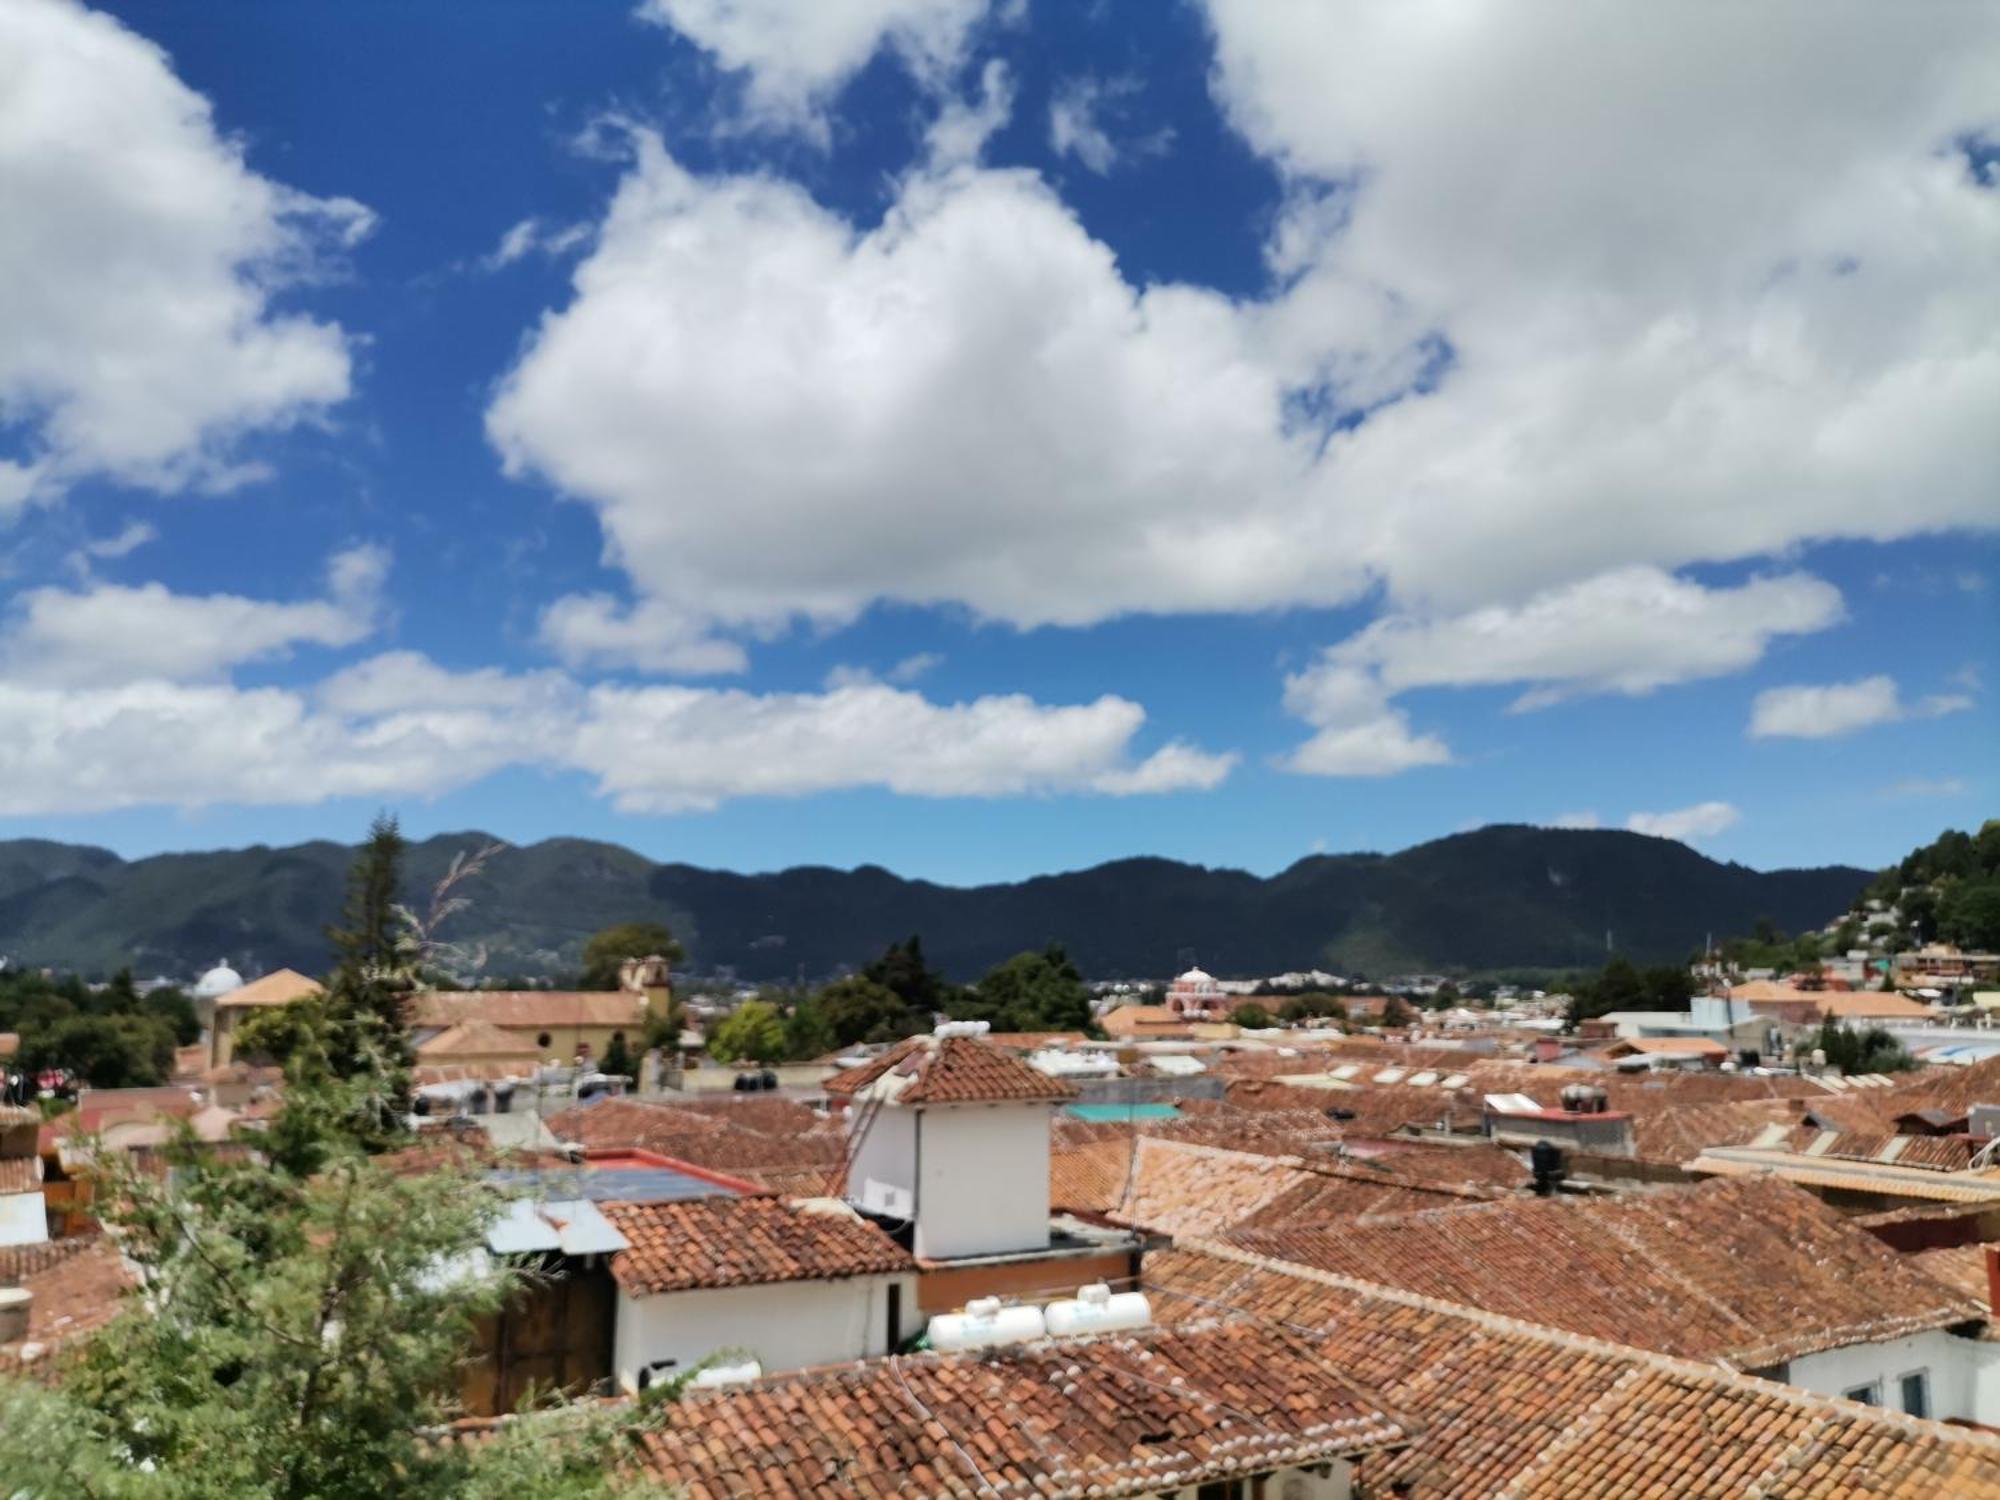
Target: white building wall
{"type": "Point", "coordinates": [983, 1179]}
{"type": "Point", "coordinates": [883, 1177]}
{"type": "Point", "coordinates": [1964, 1373]}
{"type": "Point", "coordinates": [785, 1325]}
{"type": "Point", "coordinates": [24, 1219]}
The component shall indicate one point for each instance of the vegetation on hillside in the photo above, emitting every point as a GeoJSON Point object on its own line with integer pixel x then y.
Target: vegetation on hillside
{"type": "Point", "coordinates": [1948, 890]}
{"type": "Point", "coordinates": [1622, 985]}
{"type": "Point", "coordinates": [1496, 900]}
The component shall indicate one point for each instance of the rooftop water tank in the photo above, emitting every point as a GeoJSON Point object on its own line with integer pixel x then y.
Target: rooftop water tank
{"type": "Point", "coordinates": [1097, 1309]}
{"type": "Point", "coordinates": [740, 1373]}
{"type": "Point", "coordinates": [962, 1028]}
{"type": "Point", "coordinates": [985, 1324]}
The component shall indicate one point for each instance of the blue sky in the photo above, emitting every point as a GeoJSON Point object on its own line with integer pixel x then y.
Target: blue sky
{"type": "Point", "coordinates": [991, 438]}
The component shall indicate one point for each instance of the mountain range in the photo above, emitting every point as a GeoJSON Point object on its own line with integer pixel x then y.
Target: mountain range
{"type": "Point", "coordinates": [1499, 898]}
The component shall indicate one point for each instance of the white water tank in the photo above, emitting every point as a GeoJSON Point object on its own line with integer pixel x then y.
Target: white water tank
{"type": "Point", "coordinates": [985, 1324]}
{"type": "Point", "coordinates": [1097, 1309]}
{"type": "Point", "coordinates": [742, 1372]}
{"type": "Point", "coordinates": [962, 1028]}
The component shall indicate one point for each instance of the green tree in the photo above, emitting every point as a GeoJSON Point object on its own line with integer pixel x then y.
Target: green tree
{"type": "Point", "coordinates": [607, 951]}
{"type": "Point", "coordinates": [903, 971]}
{"type": "Point", "coordinates": [1396, 1011]}
{"type": "Point", "coordinates": [174, 1010]}
{"type": "Point", "coordinates": [1310, 1007]}
{"type": "Point", "coordinates": [618, 1058]}
{"type": "Point", "coordinates": [1855, 1052]}
{"type": "Point", "coordinates": [1919, 907]}
{"type": "Point", "coordinates": [368, 943]}
{"type": "Point", "coordinates": [1969, 915]}
{"type": "Point", "coordinates": [752, 1032]}
{"type": "Point", "coordinates": [294, 1339]}
{"type": "Point", "coordinates": [1252, 1017]}
{"type": "Point", "coordinates": [1029, 992]}
{"type": "Point", "coordinates": [106, 1052]}
{"type": "Point", "coordinates": [858, 1009]}
{"type": "Point", "coordinates": [808, 1032]}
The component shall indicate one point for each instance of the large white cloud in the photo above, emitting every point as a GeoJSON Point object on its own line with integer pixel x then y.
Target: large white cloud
{"type": "Point", "coordinates": [1715, 278]}
{"type": "Point", "coordinates": [1823, 712]}
{"type": "Point", "coordinates": [795, 57]}
{"type": "Point", "coordinates": [112, 633]}
{"type": "Point", "coordinates": [399, 724]}
{"type": "Point", "coordinates": [138, 258]}
{"type": "Point", "coordinates": [1618, 298]}
{"type": "Point", "coordinates": [1628, 631]}
{"type": "Point", "coordinates": [776, 415]}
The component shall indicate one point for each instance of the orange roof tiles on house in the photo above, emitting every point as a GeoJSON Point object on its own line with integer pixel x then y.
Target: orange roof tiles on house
{"type": "Point", "coordinates": [1091, 1178]}
{"type": "Point", "coordinates": [1960, 1266]}
{"type": "Point", "coordinates": [20, 1174]}
{"type": "Point", "coordinates": [1180, 1189]}
{"type": "Point", "coordinates": [78, 1286]}
{"type": "Point", "coordinates": [1506, 1408]}
{"type": "Point", "coordinates": [1034, 1041]}
{"type": "Point", "coordinates": [525, 1009]}
{"type": "Point", "coordinates": [1664, 1046]}
{"type": "Point", "coordinates": [1871, 1005]}
{"type": "Point", "coordinates": [949, 1070]}
{"type": "Point", "coordinates": [705, 1138]}
{"type": "Point", "coordinates": [476, 1038]}
{"type": "Point", "coordinates": [279, 987]}
{"type": "Point", "coordinates": [1752, 1271]}
{"type": "Point", "coordinates": [1139, 1414]}
{"type": "Point", "coordinates": [732, 1241]}
{"type": "Point", "coordinates": [1139, 1022]}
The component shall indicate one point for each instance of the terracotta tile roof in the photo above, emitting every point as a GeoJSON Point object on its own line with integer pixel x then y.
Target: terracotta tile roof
{"type": "Point", "coordinates": [1750, 1270]}
{"type": "Point", "coordinates": [731, 1241]}
{"type": "Point", "coordinates": [18, 1262]}
{"type": "Point", "coordinates": [1180, 1189]}
{"type": "Point", "coordinates": [1354, 1191]}
{"type": "Point", "coordinates": [75, 1294]}
{"type": "Point", "coordinates": [1959, 1266]}
{"type": "Point", "coordinates": [525, 1009]}
{"type": "Point", "coordinates": [1861, 1005]}
{"type": "Point", "coordinates": [20, 1174]}
{"type": "Point", "coordinates": [949, 1070]}
{"type": "Point", "coordinates": [1091, 1178]}
{"type": "Point", "coordinates": [1034, 1041]}
{"type": "Point", "coordinates": [1891, 1181]}
{"type": "Point", "coordinates": [280, 987]}
{"type": "Point", "coordinates": [1952, 1088]}
{"type": "Point", "coordinates": [1060, 1419]}
{"type": "Point", "coordinates": [1133, 1021]}
{"type": "Point", "coordinates": [704, 1138]}
{"type": "Point", "coordinates": [1504, 1408]}
{"type": "Point", "coordinates": [475, 1038]}
{"type": "Point", "coordinates": [1665, 1046]}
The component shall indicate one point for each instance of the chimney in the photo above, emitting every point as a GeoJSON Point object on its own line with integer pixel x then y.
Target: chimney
{"type": "Point", "coordinates": [1993, 1280]}
{"type": "Point", "coordinates": [1547, 1049]}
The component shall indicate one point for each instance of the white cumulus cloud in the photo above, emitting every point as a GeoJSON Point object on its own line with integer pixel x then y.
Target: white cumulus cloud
{"type": "Point", "coordinates": [1808, 712]}
{"type": "Point", "coordinates": [139, 257]}
{"type": "Point", "coordinates": [1679, 336]}
{"type": "Point", "coordinates": [1629, 631]}
{"type": "Point", "coordinates": [107, 633]}
{"type": "Point", "coordinates": [400, 724]}
{"type": "Point", "coordinates": [794, 57]}
{"type": "Point", "coordinates": [1687, 824]}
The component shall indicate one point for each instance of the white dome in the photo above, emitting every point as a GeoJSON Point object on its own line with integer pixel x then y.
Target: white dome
{"type": "Point", "coordinates": [217, 982]}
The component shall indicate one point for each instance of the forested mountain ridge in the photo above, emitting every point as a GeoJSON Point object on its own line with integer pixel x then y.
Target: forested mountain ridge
{"type": "Point", "coordinates": [1501, 897]}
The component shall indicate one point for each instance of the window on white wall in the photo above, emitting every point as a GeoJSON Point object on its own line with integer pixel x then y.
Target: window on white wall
{"type": "Point", "coordinates": [1917, 1393]}
{"type": "Point", "coordinates": [1871, 1393]}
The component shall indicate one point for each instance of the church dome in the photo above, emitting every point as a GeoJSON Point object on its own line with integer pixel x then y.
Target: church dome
{"type": "Point", "coordinates": [218, 981]}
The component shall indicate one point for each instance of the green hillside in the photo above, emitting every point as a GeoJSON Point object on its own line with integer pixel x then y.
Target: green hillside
{"type": "Point", "coordinates": [1501, 897]}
